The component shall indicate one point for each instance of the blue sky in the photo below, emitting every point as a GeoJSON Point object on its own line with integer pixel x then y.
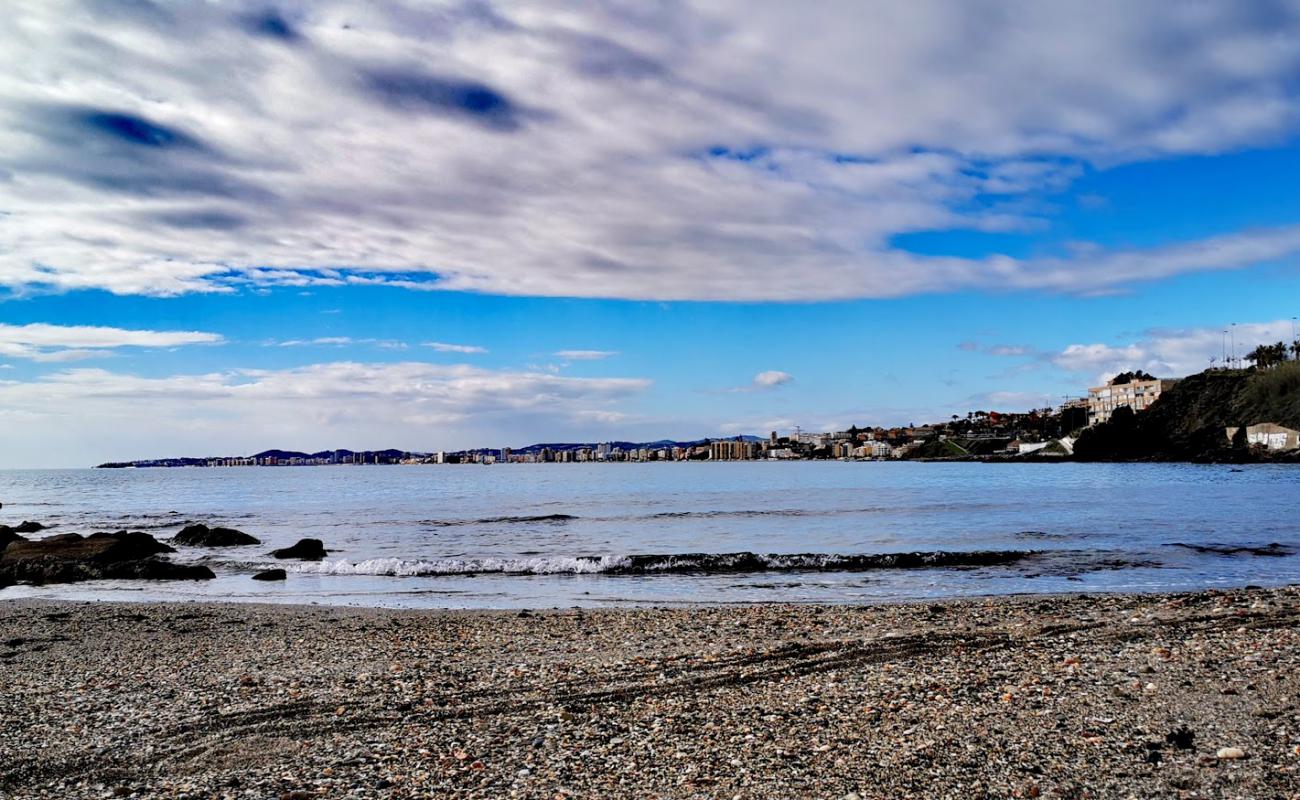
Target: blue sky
{"type": "Point", "coordinates": [363, 225]}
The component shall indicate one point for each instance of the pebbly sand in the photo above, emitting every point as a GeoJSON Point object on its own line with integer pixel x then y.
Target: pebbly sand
{"type": "Point", "coordinates": [1190, 695]}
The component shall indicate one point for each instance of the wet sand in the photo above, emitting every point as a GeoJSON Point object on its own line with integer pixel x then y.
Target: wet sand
{"type": "Point", "coordinates": [1188, 695]}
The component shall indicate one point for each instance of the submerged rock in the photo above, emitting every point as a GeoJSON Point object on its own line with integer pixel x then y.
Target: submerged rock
{"type": "Point", "coordinates": [303, 550]}
{"type": "Point", "coordinates": [201, 535]}
{"type": "Point", "coordinates": [271, 575]}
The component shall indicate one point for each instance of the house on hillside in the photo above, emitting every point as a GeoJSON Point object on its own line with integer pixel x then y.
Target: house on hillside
{"type": "Point", "coordinates": [1135, 390]}
{"type": "Point", "coordinates": [1269, 435]}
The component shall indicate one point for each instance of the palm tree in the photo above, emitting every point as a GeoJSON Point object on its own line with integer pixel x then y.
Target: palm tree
{"type": "Point", "coordinates": [1259, 356]}
{"type": "Point", "coordinates": [1295, 349]}
{"type": "Point", "coordinates": [1268, 355]}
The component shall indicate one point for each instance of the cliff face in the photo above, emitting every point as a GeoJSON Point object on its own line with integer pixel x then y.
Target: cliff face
{"type": "Point", "coordinates": [1188, 422]}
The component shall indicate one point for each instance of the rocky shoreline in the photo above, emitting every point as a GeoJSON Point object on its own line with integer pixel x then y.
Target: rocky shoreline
{"type": "Point", "coordinates": [124, 555]}
{"type": "Point", "coordinates": [1186, 695]}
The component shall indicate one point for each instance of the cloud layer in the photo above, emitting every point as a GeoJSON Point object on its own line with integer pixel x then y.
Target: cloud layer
{"type": "Point", "coordinates": [729, 151]}
{"type": "Point", "coordinates": [97, 412]}
{"type": "Point", "coordinates": [1172, 352]}
{"type": "Point", "coordinates": [43, 342]}
{"type": "Point", "coordinates": [585, 355]}
{"type": "Point", "coordinates": [464, 349]}
{"type": "Point", "coordinates": [1166, 352]}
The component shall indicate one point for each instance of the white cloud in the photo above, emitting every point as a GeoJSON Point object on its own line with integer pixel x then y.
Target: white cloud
{"type": "Point", "coordinates": [320, 340]}
{"type": "Point", "coordinates": [772, 378]}
{"type": "Point", "coordinates": [604, 151]}
{"type": "Point", "coordinates": [468, 349]}
{"type": "Point", "coordinates": [1009, 350]}
{"type": "Point", "coordinates": [341, 341]}
{"type": "Point", "coordinates": [1165, 352]}
{"type": "Point", "coordinates": [97, 415]}
{"type": "Point", "coordinates": [54, 343]}
{"type": "Point", "coordinates": [1171, 352]}
{"type": "Point", "coordinates": [764, 381]}
{"type": "Point", "coordinates": [585, 355]}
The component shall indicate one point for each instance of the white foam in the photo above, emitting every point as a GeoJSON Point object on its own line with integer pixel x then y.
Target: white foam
{"type": "Point", "coordinates": [553, 565]}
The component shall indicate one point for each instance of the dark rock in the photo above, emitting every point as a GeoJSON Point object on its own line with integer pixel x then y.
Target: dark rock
{"type": "Point", "coordinates": [201, 535]}
{"type": "Point", "coordinates": [304, 550]}
{"type": "Point", "coordinates": [155, 569]}
{"type": "Point", "coordinates": [270, 575]}
{"type": "Point", "coordinates": [27, 526]}
{"type": "Point", "coordinates": [70, 557]}
{"type": "Point", "coordinates": [1181, 737]}
{"type": "Point", "coordinates": [7, 536]}
{"type": "Point", "coordinates": [132, 545]}
{"type": "Point", "coordinates": [46, 569]}
{"type": "Point", "coordinates": [98, 547]}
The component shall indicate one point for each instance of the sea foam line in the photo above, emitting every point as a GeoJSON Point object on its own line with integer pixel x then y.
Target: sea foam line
{"type": "Point", "coordinates": [652, 564]}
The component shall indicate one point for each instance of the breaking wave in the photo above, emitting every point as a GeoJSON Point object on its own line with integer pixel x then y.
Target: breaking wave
{"type": "Point", "coordinates": [684, 564]}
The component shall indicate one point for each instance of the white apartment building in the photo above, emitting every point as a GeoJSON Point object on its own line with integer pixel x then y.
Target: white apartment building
{"type": "Point", "coordinates": [1136, 394]}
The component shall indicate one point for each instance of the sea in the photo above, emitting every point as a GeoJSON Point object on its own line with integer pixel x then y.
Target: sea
{"type": "Point", "coordinates": [661, 534]}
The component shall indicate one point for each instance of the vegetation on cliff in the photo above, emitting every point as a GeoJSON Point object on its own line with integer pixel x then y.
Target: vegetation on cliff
{"type": "Point", "coordinates": [1190, 420]}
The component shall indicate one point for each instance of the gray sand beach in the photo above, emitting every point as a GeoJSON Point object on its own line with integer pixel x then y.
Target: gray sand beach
{"type": "Point", "coordinates": [1189, 695]}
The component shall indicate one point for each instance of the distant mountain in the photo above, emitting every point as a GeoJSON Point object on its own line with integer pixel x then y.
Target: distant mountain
{"type": "Point", "coordinates": [392, 454]}
{"type": "Point", "coordinates": [285, 454]}
{"type": "Point", "coordinates": [282, 454]}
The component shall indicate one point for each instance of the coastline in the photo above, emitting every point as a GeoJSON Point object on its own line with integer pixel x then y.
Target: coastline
{"type": "Point", "coordinates": [1023, 696]}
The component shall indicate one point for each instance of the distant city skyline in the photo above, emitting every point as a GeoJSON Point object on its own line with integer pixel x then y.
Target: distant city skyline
{"type": "Point", "coordinates": [462, 223]}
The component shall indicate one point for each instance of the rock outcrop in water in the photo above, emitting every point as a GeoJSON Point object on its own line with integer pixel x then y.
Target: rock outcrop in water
{"type": "Point", "coordinates": [200, 535]}
{"type": "Point", "coordinates": [10, 532]}
{"type": "Point", "coordinates": [8, 536]}
{"type": "Point", "coordinates": [70, 557]}
{"type": "Point", "coordinates": [271, 575]}
{"type": "Point", "coordinates": [303, 550]}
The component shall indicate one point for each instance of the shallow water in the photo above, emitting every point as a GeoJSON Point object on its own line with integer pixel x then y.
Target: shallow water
{"type": "Point", "coordinates": [546, 535]}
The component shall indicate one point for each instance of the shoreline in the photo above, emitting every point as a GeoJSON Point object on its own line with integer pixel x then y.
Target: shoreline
{"type": "Point", "coordinates": [1011, 696]}
{"type": "Point", "coordinates": [605, 606]}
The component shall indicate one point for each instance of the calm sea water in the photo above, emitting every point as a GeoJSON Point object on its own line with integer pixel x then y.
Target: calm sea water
{"type": "Point", "coordinates": [534, 536]}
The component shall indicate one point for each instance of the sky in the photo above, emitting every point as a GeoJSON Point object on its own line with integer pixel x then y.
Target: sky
{"type": "Point", "coordinates": [231, 226]}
